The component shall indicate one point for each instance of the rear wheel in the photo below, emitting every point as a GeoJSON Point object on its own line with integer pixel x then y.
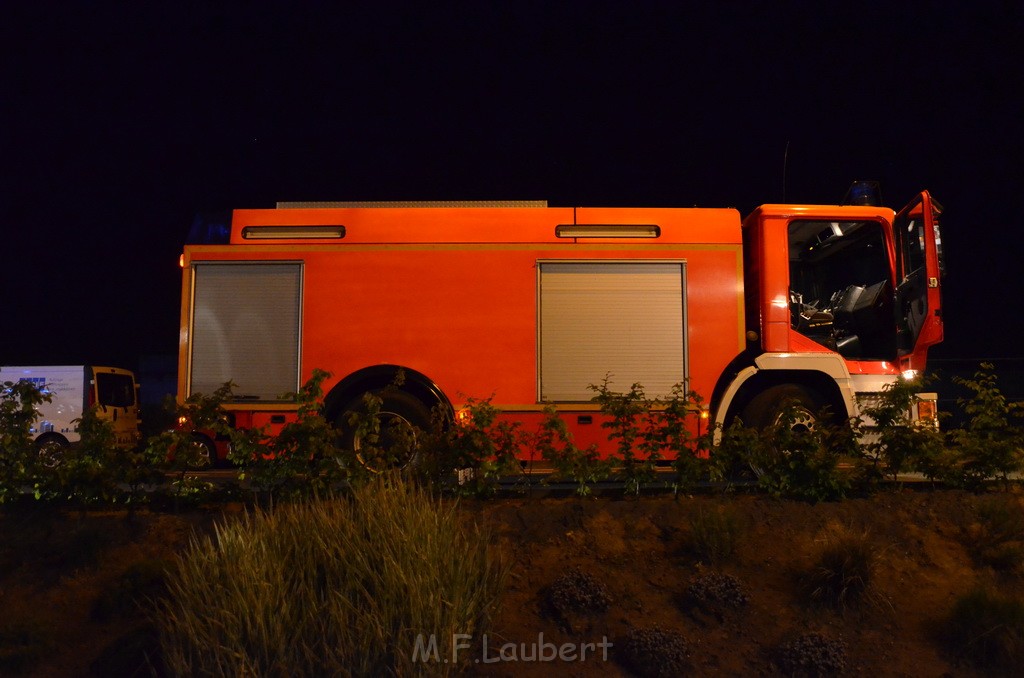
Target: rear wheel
{"type": "Point", "coordinates": [391, 440]}
{"type": "Point", "coordinates": [205, 453]}
{"type": "Point", "coordinates": [51, 448]}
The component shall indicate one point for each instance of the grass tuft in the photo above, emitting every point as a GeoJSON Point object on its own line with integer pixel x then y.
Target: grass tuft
{"type": "Point", "coordinates": [339, 587]}
{"type": "Point", "coordinates": [842, 573]}
{"type": "Point", "coordinates": [714, 535]}
{"type": "Point", "coordinates": [996, 538]}
{"type": "Point", "coordinates": [987, 629]}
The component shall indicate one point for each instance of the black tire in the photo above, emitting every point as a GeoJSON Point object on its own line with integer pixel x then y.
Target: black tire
{"type": "Point", "coordinates": [51, 448]}
{"type": "Point", "coordinates": [768, 407]}
{"type": "Point", "coordinates": [401, 416]}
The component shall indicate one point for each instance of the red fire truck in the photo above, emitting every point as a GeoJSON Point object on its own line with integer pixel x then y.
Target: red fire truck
{"type": "Point", "coordinates": [530, 305]}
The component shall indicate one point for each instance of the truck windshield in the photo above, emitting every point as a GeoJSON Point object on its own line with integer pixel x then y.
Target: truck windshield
{"type": "Point", "coordinates": [115, 390]}
{"type": "Point", "coordinates": [841, 295]}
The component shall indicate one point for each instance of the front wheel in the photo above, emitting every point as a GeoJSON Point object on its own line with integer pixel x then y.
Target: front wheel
{"type": "Point", "coordinates": [383, 427]}
{"type": "Point", "coordinates": [779, 403]}
{"type": "Point", "coordinates": [788, 405]}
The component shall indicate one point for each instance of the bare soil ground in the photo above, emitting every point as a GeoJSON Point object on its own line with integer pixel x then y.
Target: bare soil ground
{"type": "Point", "coordinates": [63, 577]}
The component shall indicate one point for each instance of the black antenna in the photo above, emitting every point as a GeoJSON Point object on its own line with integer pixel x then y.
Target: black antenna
{"type": "Point", "coordinates": [785, 161]}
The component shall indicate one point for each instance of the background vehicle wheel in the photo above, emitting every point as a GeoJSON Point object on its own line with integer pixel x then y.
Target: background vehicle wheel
{"type": "Point", "coordinates": [205, 453]}
{"type": "Point", "coordinates": [401, 416]}
{"type": "Point", "coordinates": [51, 448]}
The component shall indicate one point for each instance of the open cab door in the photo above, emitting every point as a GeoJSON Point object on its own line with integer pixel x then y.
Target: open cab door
{"type": "Point", "coordinates": [919, 270]}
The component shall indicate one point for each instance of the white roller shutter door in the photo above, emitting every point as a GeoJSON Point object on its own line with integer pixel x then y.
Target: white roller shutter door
{"type": "Point", "coordinates": [625, 319]}
{"type": "Point", "coordinates": [245, 329]}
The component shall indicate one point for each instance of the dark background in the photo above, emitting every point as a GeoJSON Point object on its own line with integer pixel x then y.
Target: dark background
{"type": "Point", "coordinates": [122, 122]}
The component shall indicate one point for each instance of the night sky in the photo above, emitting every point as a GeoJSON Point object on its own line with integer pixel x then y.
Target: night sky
{"type": "Point", "coordinates": [121, 122]}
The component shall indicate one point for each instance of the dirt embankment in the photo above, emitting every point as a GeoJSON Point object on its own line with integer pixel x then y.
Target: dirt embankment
{"type": "Point", "coordinates": [57, 574]}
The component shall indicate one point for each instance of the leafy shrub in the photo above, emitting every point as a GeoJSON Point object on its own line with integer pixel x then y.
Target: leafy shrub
{"type": "Point", "coordinates": [95, 470]}
{"type": "Point", "coordinates": [628, 415]}
{"type": "Point", "coordinates": [379, 442]}
{"type": "Point", "coordinates": [302, 460]}
{"type": "Point", "coordinates": [987, 629]}
{"type": "Point", "coordinates": [812, 655]}
{"type": "Point", "coordinates": [652, 651]}
{"type": "Point", "coordinates": [18, 459]}
{"type": "Point", "coordinates": [180, 451]}
{"type": "Point", "coordinates": [895, 443]}
{"type": "Point", "coordinates": [739, 452]}
{"type": "Point", "coordinates": [843, 570]}
{"type": "Point", "coordinates": [992, 444]}
{"type": "Point", "coordinates": [802, 462]}
{"type": "Point", "coordinates": [694, 459]}
{"type": "Point", "coordinates": [478, 442]}
{"type": "Point", "coordinates": [340, 587]}
{"type": "Point", "coordinates": [554, 442]}
{"type": "Point", "coordinates": [647, 431]}
{"type": "Point", "coordinates": [714, 535]}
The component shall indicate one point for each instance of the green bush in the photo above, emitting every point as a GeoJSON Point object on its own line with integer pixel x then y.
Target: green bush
{"type": "Point", "coordinates": [18, 459]}
{"type": "Point", "coordinates": [695, 459]}
{"type": "Point", "coordinates": [378, 442]}
{"type": "Point", "coordinates": [895, 444]}
{"type": "Point", "coordinates": [801, 462]}
{"type": "Point", "coordinates": [339, 587]}
{"type": "Point", "coordinates": [648, 431]}
{"type": "Point", "coordinates": [303, 460]}
{"type": "Point", "coordinates": [477, 444]}
{"type": "Point", "coordinates": [96, 471]}
{"type": "Point", "coordinates": [790, 460]}
{"type": "Point", "coordinates": [992, 443]}
{"type": "Point", "coordinates": [738, 454]}
{"type": "Point", "coordinates": [83, 474]}
{"type": "Point", "coordinates": [582, 466]}
{"type": "Point", "coordinates": [629, 424]}
{"type": "Point", "coordinates": [179, 451]}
